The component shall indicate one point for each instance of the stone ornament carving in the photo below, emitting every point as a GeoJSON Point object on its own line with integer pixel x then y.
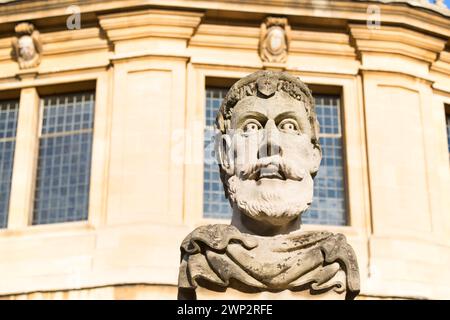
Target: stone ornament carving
{"type": "Point", "coordinates": [274, 40]}
{"type": "Point", "coordinates": [27, 46]}
{"type": "Point", "coordinates": [268, 152]}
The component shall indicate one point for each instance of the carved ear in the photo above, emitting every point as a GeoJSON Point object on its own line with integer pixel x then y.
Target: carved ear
{"type": "Point", "coordinates": [316, 159]}
{"type": "Point", "coordinates": [224, 152]}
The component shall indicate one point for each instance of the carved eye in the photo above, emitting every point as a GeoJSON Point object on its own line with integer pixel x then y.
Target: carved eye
{"type": "Point", "coordinates": [289, 125]}
{"type": "Point", "coordinates": [252, 126]}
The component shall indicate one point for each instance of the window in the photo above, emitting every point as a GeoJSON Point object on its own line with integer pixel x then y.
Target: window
{"type": "Point", "coordinates": [329, 205]}
{"type": "Point", "coordinates": [448, 131]}
{"type": "Point", "coordinates": [63, 173]}
{"type": "Point", "coordinates": [8, 125]}
{"type": "Point", "coordinates": [215, 205]}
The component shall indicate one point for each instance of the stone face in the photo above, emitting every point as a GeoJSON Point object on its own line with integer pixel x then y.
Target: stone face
{"type": "Point", "coordinates": [268, 153]}
{"type": "Point", "coordinates": [27, 46]}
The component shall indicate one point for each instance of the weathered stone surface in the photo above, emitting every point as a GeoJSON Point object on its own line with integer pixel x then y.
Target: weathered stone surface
{"type": "Point", "coordinates": [268, 153]}
{"type": "Point", "coordinates": [220, 256]}
{"type": "Point", "coordinates": [27, 46]}
{"type": "Point", "coordinates": [274, 40]}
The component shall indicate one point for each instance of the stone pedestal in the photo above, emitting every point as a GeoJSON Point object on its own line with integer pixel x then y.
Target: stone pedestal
{"type": "Point", "coordinates": [230, 293]}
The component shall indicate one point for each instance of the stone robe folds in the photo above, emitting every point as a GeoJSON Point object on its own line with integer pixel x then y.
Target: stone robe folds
{"type": "Point", "coordinates": [220, 256]}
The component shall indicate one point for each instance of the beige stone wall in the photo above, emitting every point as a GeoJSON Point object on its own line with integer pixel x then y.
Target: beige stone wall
{"type": "Point", "coordinates": [149, 68]}
{"type": "Point", "coordinates": [137, 291]}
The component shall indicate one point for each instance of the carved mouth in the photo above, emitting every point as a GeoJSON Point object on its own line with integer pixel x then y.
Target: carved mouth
{"type": "Point", "coordinates": [270, 171]}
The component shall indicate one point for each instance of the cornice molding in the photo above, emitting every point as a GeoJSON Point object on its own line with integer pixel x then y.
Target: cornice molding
{"type": "Point", "coordinates": [321, 42]}
{"type": "Point", "coordinates": [439, 6]}
{"type": "Point", "coordinates": [150, 23]}
{"type": "Point", "coordinates": [222, 36]}
{"type": "Point", "coordinates": [396, 40]}
{"type": "Point", "coordinates": [442, 64]}
{"type": "Point", "coordinates": [84, 39]}
{"type": "Point", "coordinates": [59, 42]}
{"type": "Point", "coordinates": [302, 41]}
{"type": "Point", "coordinates": [183, 20]}
{"type": "Point", "coordinates": [411, 13]}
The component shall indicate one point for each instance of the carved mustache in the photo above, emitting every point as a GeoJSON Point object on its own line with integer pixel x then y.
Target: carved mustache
{"type": "Point", "coordinates": [271, 167]}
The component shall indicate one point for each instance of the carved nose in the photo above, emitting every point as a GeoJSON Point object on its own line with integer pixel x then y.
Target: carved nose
{"type": "Point", "coordinates": [270, 145]}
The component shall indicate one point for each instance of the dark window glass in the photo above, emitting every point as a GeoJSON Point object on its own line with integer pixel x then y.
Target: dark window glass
{"type": "Point", "coordinates": [448, 132]}
{"type": "Point", "coordinates": [8, 125]}
{"type": "Point", "coordinates": [215, 205]}
{"type": "Point", "coordinates": [329, 205]}
{"type": "Point", "coordinates": [63, 174]}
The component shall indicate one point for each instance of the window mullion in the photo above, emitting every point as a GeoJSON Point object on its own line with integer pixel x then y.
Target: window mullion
{"type": "Point", "coordinates": [24, 168]}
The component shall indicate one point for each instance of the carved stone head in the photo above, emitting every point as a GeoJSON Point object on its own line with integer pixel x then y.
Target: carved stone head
{"type": "Point", "coordinates": [27, 46]}
{"type": "Point", "coordinates": [268, 148]}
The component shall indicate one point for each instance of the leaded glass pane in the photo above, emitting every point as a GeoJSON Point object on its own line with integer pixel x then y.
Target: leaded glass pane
{"type": "Point", "coordinates": [448, 132]}
{"type": "Point", "coordinates": [215, 205]}
{"type": "Point", "coordinates": [8, 125]}
{"type": "Point", "coordinates": [329, 205]}
{"type": "Point", "coordinates": [62, 184]}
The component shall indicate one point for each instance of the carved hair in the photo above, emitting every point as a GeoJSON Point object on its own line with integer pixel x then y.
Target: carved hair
{"type": "Point", "coordinates": [264, 84]}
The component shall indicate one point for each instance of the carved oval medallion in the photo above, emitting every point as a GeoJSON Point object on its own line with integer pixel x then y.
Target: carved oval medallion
{"type": "Point", "coordinates": [276, 40]}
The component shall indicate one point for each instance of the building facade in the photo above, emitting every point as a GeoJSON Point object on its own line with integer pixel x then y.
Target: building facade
{"type": "Point", "coordinates": [106, 123]}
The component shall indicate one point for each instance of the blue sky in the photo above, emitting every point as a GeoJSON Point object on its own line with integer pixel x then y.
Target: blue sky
{"type": "Point", "coordinates": [447, 2]}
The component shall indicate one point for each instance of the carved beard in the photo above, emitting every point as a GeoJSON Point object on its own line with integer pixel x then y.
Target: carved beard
{"type": "Point", "coordinates": [275, 202]}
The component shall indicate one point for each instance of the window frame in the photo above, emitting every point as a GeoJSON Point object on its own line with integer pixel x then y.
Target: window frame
{"type": "Point", "coordinates": [323, 90]}
{"type": "Point", "coordinates": [354, 141]}
{"type": "Point", "coordinates": [10, 97]}
{"type": "Point", "coordinates": [447, 124]}
{"type": "Point", "coordinates": [23, 183]}
{"type": "Point", "coordinates": [212, 130]}
{"type": "Point", "coordinates": [61, 92]}
{"type": "Point", "coordinates": [319, 91]}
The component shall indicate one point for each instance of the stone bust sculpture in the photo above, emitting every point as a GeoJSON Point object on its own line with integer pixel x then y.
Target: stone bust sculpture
{"type": "Point", "coordinates": [268, 152]}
